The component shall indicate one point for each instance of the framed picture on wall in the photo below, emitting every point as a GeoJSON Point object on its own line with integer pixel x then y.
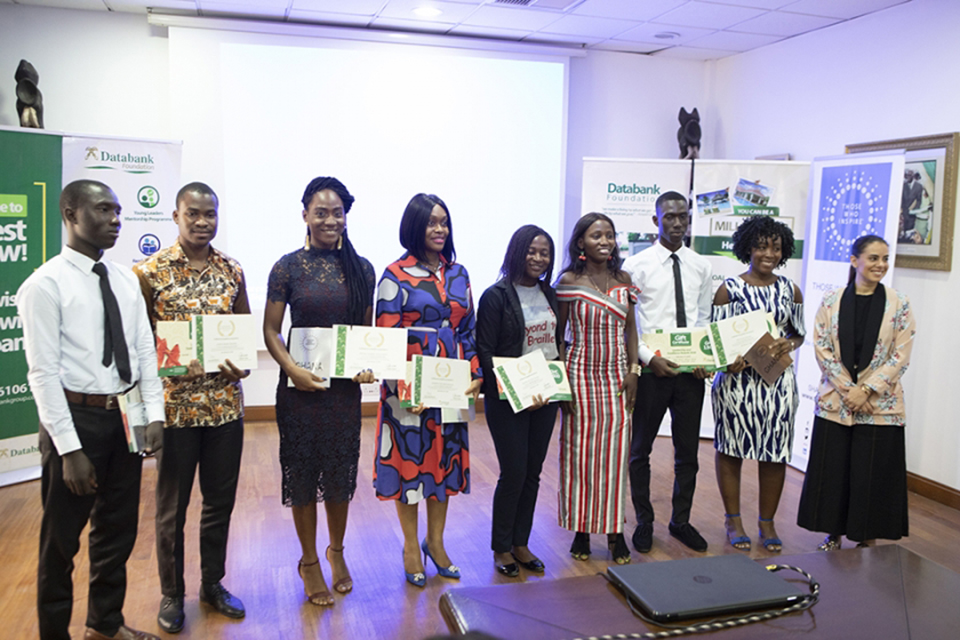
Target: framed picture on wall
{"type": "Point", "coordinates": [928, 200]}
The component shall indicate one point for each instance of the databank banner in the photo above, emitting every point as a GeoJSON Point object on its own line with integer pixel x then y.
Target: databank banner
{"type": "Point", "coordinates": [145, 175]}
{"type": "Point", "coordinates": [851, 196]}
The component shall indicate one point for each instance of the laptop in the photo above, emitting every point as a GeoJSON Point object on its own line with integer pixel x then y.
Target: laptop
{"type": "Point", "coordinates": [703, 587]}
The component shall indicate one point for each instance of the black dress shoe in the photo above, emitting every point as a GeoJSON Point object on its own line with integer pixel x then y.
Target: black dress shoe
{"type": "Point", "coordinates": [222, 600]}
{"type": "Point", "coordinates": [171, 616]}
{"type": "Point", "coordinates": [511, 570]}
{"type": "Point", "coordinates": [535, 565]}
{"type": "Point", "coordinates": [689, 536]}
{"type": "Point", "coordinates": [643, 537]}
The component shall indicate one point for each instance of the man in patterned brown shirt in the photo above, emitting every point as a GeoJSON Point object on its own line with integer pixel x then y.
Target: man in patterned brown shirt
{"type": "Point", "coordinates": [204, 410]}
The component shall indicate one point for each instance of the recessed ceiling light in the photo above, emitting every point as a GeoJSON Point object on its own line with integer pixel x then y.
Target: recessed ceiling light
{"type": "Point", "coordinates": [427, 12]}
{"type": "Point", "coordinates": [666, 35]}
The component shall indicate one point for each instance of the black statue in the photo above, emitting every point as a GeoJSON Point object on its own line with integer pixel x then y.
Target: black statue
{"type": "Point", "coordinates": [689, 134]}
{"type": "Point", "coordinates": [29, 98]}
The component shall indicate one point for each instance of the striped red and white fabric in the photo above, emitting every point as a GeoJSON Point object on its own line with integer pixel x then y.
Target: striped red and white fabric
{"type": "Point", "coordinates": [595, 439]}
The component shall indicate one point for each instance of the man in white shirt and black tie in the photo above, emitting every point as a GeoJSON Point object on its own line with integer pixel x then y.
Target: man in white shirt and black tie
{"type": "Point", "coordinates": [87, 339]}
{"type": "Point", "coordinates": [675, 291]}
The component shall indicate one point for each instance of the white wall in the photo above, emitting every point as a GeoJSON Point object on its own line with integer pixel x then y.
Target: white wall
{"type": "Point", "coordinates": [892, 74]}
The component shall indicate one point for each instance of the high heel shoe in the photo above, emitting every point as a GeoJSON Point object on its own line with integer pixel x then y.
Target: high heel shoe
{"type": "Point", "coordinates": [580, 549]}
{"type": "Point", "coordinates": [320, 598]}
{"type": "Point", "coordinates": [619, 550]}
{"type": "Point", "coordinates": [453, 571]}
{"type": "Point", "coordinates": [343, 585]}
{"type": "Point", "coordinates": [773, 544]}
{"type": "Point", "coordinates": [418, 579]}
{"type": "Point", "coordinates": [830, 543]}
{"type": "Point", "coordinates": [740, 543]}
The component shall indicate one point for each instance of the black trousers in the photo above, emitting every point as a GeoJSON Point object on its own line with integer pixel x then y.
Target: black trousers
{"type": "Point", "coordinates": [112, 512]}
{"type": "Point", "coordinates": [217, 451]}
{"type": "Point", "coordinates": [521, 440]}
{"type": "Point", "coordinates": [683, 396]}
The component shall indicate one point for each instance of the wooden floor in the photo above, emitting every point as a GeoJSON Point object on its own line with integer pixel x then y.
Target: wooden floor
{"type": "Point", "coordinates": [263, 550]}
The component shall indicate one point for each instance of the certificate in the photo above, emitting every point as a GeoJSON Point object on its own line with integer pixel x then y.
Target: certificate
{"type": "Point", "coordinates": [174, 347]}
{"type": "Point", "coordinates": [382, 350]}
{"type": "Point", "coordinates": [735, 336]}
{"type": "Point", "coordinates": [225, 337]}
{"type": "Point", "coordinates": [134, 414]}
{"type": "Point", "coordinates": [561, 393]}
{"type": "Point", "coordinates": [440, 382]}
{"type": "Point", "coordinates": [688, 347]}
{"type": "Point", "coordinates": [312, 349]}
{"type": "Point", "coordinates": [525, 377]}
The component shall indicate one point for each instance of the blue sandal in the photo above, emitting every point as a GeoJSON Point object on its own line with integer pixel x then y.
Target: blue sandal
{"type": "Point", "coordinates": [772, 544]}
{"type": "Point", "coordinates": [740, 543]}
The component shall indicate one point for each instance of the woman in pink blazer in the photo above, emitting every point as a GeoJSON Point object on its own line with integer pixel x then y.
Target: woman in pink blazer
{"type": "Point", "coordinates": [856, 481]}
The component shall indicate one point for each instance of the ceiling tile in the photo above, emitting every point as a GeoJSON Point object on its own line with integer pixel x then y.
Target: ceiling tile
{"type": "Point", "coordinates": [708, 16]}
{"type": "Point", "coordinates": [420, 26]}
{"type": "Point", "coordinates": [627, 9]}
{"type": "Point", "coordinates": [691, 53]}
{"type": "Point", "coordinates": [243, 8]}
{"type": "Point", "coordinates": [450, 12]}
{"type": "Point", "coordinates": [730, 41]}
{"type": "Point", "coordinates": [648, 32]}
{"type": "Point", "coordinates": [357, 7]}
{"type": "Point", "coordinates": [781, 23]}
{"type": "Point", "coordinates": [508, 18]}
{"type": "Point", "coordinates": [755, 4]}
{"type": "Point", "coordinates": [588, 26]}
{"type": "Point", "coordinates": [489, 32]}
{"type": "Point", "coordinates": [846, 9]}
{"type": "Point", "coordinates": [325, 17]}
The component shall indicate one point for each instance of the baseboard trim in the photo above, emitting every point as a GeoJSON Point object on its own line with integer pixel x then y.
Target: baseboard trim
{"type": "Point", "coordinates": [933, 490]}
{"type": "Point", "coordinates": [269, 413]}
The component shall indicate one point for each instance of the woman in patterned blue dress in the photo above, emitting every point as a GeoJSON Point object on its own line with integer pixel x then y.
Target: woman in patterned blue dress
{"type": "Point", "coordinates": [754, 420]}
{"type": "Point", "coordinates": [419, 457]}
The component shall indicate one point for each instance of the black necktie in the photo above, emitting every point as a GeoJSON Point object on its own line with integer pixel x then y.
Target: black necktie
{"type": "Point", "coordinates": [114, 342]}
{"type": "Point", "coordinates": [678, 292]}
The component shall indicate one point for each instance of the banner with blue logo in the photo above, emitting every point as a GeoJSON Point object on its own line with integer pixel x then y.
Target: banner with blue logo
{"type": "Point", "coordinates": [850, 196]}
{"type": "Point", "coordinates": [144, 174]}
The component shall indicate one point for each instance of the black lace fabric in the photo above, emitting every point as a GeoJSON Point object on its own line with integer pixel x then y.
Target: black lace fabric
{"type": "Point", "coordinates": [320, 430]}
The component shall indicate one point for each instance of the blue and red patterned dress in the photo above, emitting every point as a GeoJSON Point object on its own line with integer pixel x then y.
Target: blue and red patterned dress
{"type": "Point", "coordinates": [420, 457]}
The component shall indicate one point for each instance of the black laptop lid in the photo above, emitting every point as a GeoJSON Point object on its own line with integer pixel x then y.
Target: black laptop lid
{"type": "Point", "coordinates": [701, 587]}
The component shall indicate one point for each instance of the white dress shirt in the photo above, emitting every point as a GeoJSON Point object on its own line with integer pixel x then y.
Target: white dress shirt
{"type": "Point", "coordinates": [652, 273]}
{"type": "Point", "coordinates": [63, 329]}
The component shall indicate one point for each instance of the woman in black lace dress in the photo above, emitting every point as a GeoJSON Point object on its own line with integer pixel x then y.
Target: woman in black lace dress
{"type": "Point", "coordinates": [325, 283]}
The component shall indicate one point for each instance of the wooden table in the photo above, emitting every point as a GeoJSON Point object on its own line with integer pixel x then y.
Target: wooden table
{"type": "Point", "coordinates": [884, 592]}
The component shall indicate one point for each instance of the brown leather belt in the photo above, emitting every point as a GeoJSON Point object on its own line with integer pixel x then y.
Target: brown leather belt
{"type": "Point", "coordinates": [104, 401]}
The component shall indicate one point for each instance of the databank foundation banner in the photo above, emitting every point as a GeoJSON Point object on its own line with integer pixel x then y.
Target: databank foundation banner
{"type": "Point", "coordinates": [851, 196]}
{"type": "Point", "coordinates": [29, 235]}
{"type": "Point", "coordinates": [145, 175]}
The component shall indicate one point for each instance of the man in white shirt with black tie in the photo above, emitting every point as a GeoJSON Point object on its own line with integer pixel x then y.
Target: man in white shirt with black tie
{"type": "Point", "coordinates": [675, 291]}
{"type": "Point", "coordinates": [87, 339]}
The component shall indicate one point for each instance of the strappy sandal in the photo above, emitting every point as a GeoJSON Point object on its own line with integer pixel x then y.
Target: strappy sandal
{"type": "Point", "coordinates": [773, 544]}
{"type": "Point", "coordinates": [320, 598]}
{"type": "Point", "coordinates": [830, 543]}
{"type": "Point", "coordinates": [740, 543]}
{"type": "Point", "coordinates": [343, 585]}
{"type": "Point", "coordinates": [619, 550]}
{"type": "Point", "coordinates": [580, 549]}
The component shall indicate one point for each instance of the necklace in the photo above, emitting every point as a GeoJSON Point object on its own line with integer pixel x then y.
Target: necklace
{"type": "Point", "coordinates": [606, 281]}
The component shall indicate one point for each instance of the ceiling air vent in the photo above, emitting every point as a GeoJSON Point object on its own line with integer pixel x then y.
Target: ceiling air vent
{"type": "Point", "coordinates": [518, 3]}
{"type": "Point", "coordinates": [548, 5]}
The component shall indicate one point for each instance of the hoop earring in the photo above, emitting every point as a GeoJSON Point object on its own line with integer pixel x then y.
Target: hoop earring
{"type": "Point", "coordinates": [583, 257]}
{"type": "Point", "coordinates": [340, 243]}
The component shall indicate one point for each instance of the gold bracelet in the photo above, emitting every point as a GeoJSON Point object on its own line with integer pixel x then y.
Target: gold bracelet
{"type": "Point", "coordinates": [635, 368]}
{"type": "Point", "coordinates": [867, 390]}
